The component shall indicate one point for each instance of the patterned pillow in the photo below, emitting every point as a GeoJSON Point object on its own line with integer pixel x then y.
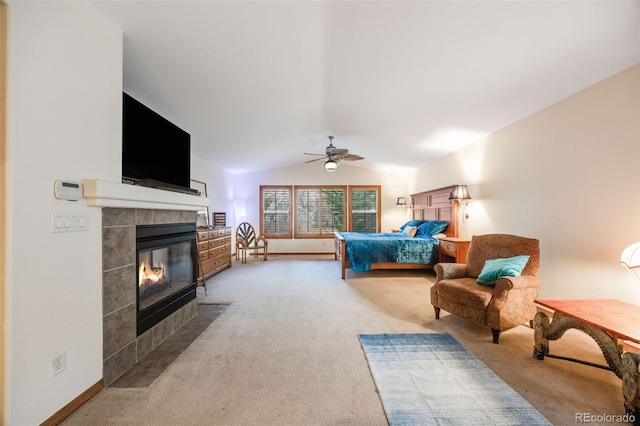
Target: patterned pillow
{"type": "Point", "coordinates": [414, 222]}
{"type": "Point", "coordinates": [410, 231]}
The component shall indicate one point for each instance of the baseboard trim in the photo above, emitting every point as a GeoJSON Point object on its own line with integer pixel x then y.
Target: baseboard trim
{"type": "Point", "coordinates": [301, 253]}
{"type": "Point", "coordinates": [76, 403]}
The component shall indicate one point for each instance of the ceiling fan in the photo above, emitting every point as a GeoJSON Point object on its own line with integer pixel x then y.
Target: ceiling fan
{"type": "Point", "coordinates": [333, 156]}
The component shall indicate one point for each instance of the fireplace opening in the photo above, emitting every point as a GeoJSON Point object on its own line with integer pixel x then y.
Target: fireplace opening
{"type": "Point", "coordinates": [166, 278]}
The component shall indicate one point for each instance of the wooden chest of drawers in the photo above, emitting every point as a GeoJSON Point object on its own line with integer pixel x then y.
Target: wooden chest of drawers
{"type": "Point", "coordinates": [214, 251]}
{"type": "Point", "coordinates": [453, 250]}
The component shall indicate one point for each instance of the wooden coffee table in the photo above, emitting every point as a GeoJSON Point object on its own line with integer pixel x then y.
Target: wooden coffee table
{"type": "Point", "coordinates": [610, 323]}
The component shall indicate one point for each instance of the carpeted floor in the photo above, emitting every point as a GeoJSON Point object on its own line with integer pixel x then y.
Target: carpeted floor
{"type": "Point", "coordinates": [286, 352]}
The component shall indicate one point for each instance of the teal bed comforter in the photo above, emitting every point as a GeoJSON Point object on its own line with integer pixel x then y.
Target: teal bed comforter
{"type": "Point", "coordinates": [364, 248]}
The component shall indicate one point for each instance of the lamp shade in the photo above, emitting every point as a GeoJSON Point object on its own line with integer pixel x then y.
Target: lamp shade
{"type": "Point", "coordinates": [330, 166]}
{"type": "Point", "coordinates": [401, 201]}
{"type": "Point", "coordinates": [460, 192]}
{"type": "Point", "coordinates": [630, 259]}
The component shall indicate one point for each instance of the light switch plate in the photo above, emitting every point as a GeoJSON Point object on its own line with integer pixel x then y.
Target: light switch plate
{"type": "Point", "coordinates": [69, 222]}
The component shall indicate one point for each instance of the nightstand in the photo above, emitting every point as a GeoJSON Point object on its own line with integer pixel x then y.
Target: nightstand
{"type": "Point", "coordinates": [453, 250]}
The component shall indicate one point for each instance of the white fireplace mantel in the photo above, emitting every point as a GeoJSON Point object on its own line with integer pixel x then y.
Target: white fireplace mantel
{"type": "Point", "coordinates": [101, 193]}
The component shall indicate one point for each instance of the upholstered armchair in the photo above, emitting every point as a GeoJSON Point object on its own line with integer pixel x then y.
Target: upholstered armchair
{"type": "Point", "coordinates": [248, 240]}
{"type": "Point", "coordinates": [508, 303]}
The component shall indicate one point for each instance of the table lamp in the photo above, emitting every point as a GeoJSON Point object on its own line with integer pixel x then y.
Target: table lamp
{"type": "Point", "coordinates": [630, 259]}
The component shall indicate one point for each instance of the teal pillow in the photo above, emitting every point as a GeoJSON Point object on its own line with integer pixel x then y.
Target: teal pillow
{"type": "Point", "coordinates": [496, 268]}
{"type": "Point", "coordinates": [432, 227]}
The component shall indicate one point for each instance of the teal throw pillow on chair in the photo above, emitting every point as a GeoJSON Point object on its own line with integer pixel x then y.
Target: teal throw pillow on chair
{"type": "Point", "coordinates": [496, 268]}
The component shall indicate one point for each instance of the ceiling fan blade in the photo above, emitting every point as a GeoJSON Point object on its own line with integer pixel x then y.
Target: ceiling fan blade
{"type": "Point", "coordinates": [352, 157]}
{"type": "Point", "coordinates": [315, 159]}
{"type": "Point", "coordinates": [340, 151]}
{"type": "Point", "coordinates": [334, 154]}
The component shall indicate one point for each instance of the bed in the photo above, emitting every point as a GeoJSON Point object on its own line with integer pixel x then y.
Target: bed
{"type": "Point", "coordinates": [368, 251]}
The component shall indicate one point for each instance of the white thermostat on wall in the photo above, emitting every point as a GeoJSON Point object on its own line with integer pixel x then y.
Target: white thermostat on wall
{"type": "Point", "coordinates": [67, 190]}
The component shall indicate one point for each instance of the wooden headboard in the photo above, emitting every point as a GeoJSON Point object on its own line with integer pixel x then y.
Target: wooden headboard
{"type": "Point", "coordinates": [436, 205]}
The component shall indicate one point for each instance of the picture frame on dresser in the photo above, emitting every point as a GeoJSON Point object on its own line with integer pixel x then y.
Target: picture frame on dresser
{"type": "Point", "coordinates": [219, 219]}
{"type": "Point", "coordinates": [202, 218]}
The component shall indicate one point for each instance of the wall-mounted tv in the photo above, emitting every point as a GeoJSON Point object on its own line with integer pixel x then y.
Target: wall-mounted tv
{"type": "Point", "coordinates": [155, 152]}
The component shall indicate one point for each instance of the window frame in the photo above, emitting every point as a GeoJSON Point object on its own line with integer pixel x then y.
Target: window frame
{"type": "Point", "coordinates": [293, 213]}
{"type": "Point", "coordinates": [320, 234]}
{"type": "Point", "coordinates": [282, 235]}
{"type": "Point", "coordinates": [378, 190]}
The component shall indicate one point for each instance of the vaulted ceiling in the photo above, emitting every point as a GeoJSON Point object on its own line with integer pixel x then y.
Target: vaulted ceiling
{"type": "Point", "coordinates": [401, 83]}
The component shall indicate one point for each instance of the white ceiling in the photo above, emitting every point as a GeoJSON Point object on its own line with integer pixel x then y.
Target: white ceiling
{"type": "Point", "coordinates": [256, 84]}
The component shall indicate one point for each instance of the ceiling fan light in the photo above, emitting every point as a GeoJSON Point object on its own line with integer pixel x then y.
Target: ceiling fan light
{"type": "Point", "coordinates": [330, 166]}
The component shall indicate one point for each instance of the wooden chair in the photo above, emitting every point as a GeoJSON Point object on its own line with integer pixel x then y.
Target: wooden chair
{"type": "Point", "coordinates": [247, 240]}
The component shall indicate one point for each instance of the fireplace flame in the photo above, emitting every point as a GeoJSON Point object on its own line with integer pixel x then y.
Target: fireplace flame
{"type": "Point", "coordinates": [149, 275]}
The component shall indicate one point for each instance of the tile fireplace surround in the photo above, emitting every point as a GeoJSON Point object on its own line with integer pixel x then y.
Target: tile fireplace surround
{"type": "Point", "coordinates": [123, 208]}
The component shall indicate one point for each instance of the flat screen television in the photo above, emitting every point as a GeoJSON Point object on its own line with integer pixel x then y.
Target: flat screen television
{"type": "Point", "coordinates": [155, 152]}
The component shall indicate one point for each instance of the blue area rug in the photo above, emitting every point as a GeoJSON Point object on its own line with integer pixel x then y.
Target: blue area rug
{"type": "Point", "coordinates": [431, 379]}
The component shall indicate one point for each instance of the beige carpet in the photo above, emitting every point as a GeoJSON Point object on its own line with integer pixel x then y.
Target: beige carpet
{"type": "Point", "coordinates": [286, 352]}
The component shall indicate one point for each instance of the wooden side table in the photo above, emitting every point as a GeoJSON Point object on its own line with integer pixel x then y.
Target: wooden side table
{"type": "Point", "coordinates": [453, 250]}
{"type": "Point", "coordinates": [609, 322]}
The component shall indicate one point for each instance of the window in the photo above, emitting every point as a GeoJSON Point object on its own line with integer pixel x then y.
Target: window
{"type": "Point", "coordinates": [319, 211]}
{"type": "Point", "coordinates": [275, 211]}
{"type": "Point", "coordinates": [365, 207]}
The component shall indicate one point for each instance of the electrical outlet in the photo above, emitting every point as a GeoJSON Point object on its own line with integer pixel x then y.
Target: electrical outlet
{"type": "Point", "coordinates": [57, 363]}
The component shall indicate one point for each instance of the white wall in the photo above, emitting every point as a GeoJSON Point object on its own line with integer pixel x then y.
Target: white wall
{"type": "Point", "coordinates": [568, 175]}
{"type": "Point", "coordinates": [247, 189]}
{"type": "Point", "coordinates": [219, 186]}
{"type": "Point", "coordinates": [64, 120]}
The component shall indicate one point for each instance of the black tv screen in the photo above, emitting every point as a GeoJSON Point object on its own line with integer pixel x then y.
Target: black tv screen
{"type": "Point", "coordinates": [155, 151]}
